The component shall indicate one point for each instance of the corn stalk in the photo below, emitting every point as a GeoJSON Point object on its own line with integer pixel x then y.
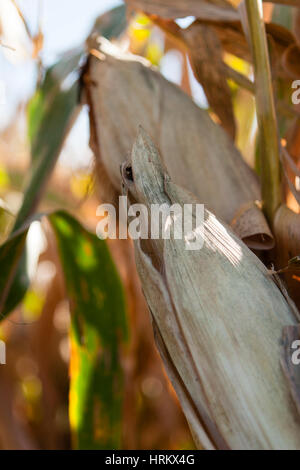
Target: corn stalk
{"type": "Point", "coordinates": [266, 114]}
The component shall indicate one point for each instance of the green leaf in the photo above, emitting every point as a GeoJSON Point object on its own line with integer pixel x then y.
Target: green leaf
{"type": "Point", "coordinates": [98, 327]}
{"type": "Point", "coordinates": [54, 124]}
{"type": "Point", "coordinates": [112, 23]}
{"type": "Point", "coordinates": [10, 253]}
{"type": "Point", "coordinates": [51, 112]}
{"type": "Point", "coordinates": [46, 147]}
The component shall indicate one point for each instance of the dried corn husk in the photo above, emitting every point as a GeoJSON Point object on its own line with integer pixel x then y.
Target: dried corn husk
{"type": "Point", "coordinates": [218, 318]}
{"type": "Point", "coordinates": [282, 43]}
{"type": "Point", "coordinates": [124, 92]}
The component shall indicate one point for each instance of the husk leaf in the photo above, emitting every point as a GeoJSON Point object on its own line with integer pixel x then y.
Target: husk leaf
{"type": "Point", "coordinates": [220, 319]}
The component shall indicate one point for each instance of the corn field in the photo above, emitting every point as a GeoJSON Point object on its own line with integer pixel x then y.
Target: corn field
{"type": "Point", "coordinates": [113, 337]}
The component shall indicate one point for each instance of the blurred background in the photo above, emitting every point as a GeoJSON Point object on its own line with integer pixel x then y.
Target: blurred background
{"type": "Point", "coordinates": [34, 383]}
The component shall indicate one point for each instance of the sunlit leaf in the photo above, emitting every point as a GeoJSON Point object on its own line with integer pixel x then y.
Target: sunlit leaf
{"type": "Point", "coordinates": [206, 56]}
{"type": "Point", "coordinates": [4, 178]}
{"type": "Point", "coordinates": [81, 185]}
{"type": "Point", "coordinates": [32, 305]}
{"type": "Point", "coordinates": [6, 220]}
{"type": "Point", "coordinates": [154, 53]}
{"type": "Point", "coordinates": [98, 326]}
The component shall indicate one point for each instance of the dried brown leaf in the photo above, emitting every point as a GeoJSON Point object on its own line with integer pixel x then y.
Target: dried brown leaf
{"type": "Point", "coordinates": [206, 56]}
{"type": "Point", "coordinates": [233, 39]}
{"type": "Point", "coordinates": [287, 234]}
{"type": "Point", "coordinates": [125, 92]}
{"type": "Point", "coordinates": [217, 10]}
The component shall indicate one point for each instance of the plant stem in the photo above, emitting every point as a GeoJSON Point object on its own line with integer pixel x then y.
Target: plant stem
{"type": "Point", "coordinates": [265, 108]}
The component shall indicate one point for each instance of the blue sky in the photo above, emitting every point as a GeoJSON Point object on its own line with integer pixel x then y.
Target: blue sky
{"type": "Point", "coordinates": [65, 24]}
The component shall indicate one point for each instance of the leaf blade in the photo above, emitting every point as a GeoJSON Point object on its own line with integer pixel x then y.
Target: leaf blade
{"type": "Point", "coordinates": [98, 326]}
